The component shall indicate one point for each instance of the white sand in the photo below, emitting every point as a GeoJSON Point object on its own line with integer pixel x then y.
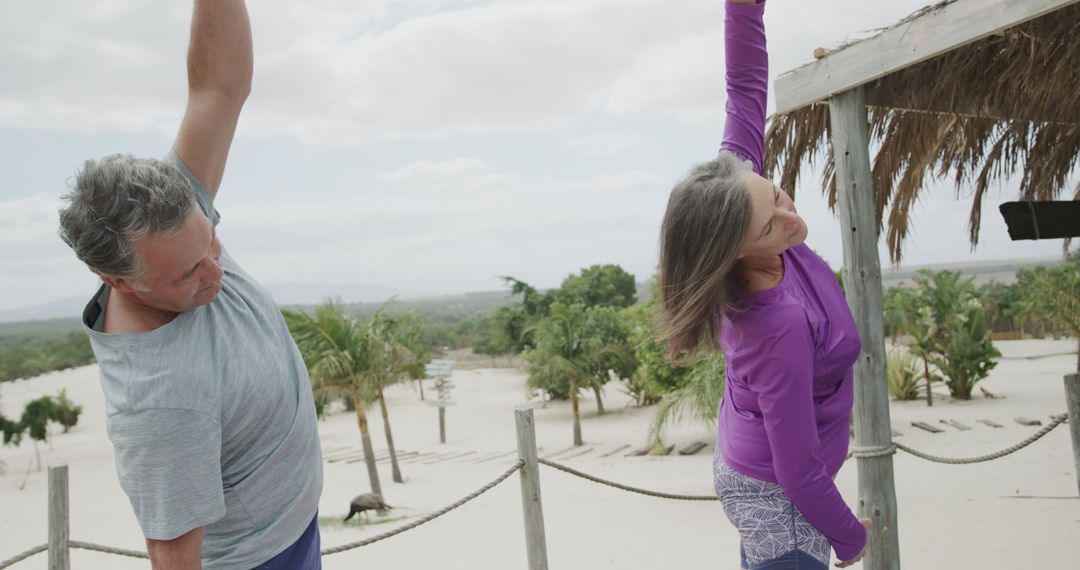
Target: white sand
{"type": "Point", "coordinates": [955, 517]}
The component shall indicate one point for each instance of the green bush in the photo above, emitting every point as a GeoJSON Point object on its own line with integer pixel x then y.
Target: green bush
{"type": "Point", "coordinates": [903, 375]}
{"type": "Point", "coordinates": [67, 412]}
{"type": "Point", "coordinates": [950, 330]}
{"type": "Point", "coordinates": [36, 417]}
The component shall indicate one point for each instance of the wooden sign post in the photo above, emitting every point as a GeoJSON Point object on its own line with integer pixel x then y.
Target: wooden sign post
{"type": "Point", "coordinates": [440, 370]}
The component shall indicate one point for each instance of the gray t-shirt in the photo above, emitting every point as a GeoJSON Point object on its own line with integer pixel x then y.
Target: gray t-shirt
{"type": "Point", "coordinates": [213, 421]}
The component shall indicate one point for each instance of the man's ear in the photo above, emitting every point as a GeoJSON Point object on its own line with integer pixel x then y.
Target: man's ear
{"type": "Point", "coordinates": [119, 284]}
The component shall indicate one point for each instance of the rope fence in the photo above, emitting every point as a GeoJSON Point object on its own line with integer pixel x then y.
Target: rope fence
{"type": "Point", "coordinates": [526, 464]}
{"type": "Point", "coordinates": [594, 479]}
{"type": "Point", "coordinates": [20, 557]}
{"type": "Point", "coordinates": [429, 518]}
{"type": "Point", "coordinates": [891, 449]}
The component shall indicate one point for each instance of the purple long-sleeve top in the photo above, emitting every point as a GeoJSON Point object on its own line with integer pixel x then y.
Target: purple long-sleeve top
{"type": "Point", "coordinates": [789, 355]}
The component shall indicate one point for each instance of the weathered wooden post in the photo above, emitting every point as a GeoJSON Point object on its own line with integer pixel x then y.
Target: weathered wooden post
{"type": "Point", "coordinates": [862, 279]}
{"type": "Point", "coordinates": [535, 542]}
{"type": "Point", "coordinates": [58, 518]}
{"type": "Point", "coordinates": [1072, 400]}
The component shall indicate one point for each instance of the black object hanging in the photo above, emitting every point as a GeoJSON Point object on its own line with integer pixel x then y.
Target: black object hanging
{"type": "Point", "coordinates": [1042, 220]}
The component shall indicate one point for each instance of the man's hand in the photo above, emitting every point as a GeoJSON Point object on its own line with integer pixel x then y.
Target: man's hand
{"type": "Point", "coordinates": [845, 563]}
{"type": "Point", "coordinates": [180, 553]}
{"type": "Point", "coordinates": [219, 79]}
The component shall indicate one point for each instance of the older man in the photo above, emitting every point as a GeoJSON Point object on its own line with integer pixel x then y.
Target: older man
{"type": "Point", "coordinates": [209, 404]}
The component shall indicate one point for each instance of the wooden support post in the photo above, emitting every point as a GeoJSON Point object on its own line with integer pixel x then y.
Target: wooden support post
{"type": "Point", "coordinates": [442, 424]}
{"type": "Point", "coordinates": [59, 555]}
{"type": "Point", "coordinates": [1072, 400]}
{"type": "Point", "coordinates": [535, 542]}
{"type": "Point", "coordinates": [862, 279]}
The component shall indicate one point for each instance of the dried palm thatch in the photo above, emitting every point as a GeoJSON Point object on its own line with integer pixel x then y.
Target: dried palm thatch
{"type": "Point", "coordinates": [980, 112]}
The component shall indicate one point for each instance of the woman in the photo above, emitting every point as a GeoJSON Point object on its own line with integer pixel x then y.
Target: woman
{"type": "Point", "coordinates": [734, 271]}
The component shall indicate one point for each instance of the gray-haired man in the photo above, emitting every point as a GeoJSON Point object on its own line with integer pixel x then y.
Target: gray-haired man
{"type": "Point", "coordinates": [209, 404]}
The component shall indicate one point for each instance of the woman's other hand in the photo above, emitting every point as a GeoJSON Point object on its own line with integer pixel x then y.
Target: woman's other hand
{"type": "Point", "coordinates": [865, 522]}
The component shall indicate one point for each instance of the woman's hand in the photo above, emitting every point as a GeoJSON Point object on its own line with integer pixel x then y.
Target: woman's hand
{"type": "Point", "coordinates": [865, 522]}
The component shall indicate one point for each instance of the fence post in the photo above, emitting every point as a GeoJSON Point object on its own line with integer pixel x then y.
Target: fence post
{"type": "Point", "coordinates": [1072, 400]}
{"type": "Point", "coordinates": [442, 424]}
{"type": "Point", "coordinates": [58, 518]}
{"type": "Point", "coordinates": [535, 542]}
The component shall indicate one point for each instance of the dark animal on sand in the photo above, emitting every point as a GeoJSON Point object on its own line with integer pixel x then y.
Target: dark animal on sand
{"type": "Point", "coordinates": [367, 502]}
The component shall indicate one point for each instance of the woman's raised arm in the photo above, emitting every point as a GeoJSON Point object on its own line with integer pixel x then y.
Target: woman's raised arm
{"type": "Point", "coordinates": [747, 80]}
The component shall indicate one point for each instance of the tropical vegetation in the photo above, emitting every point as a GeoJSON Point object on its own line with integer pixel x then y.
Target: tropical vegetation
{"type": "Point", "coordinates": [354, 360]}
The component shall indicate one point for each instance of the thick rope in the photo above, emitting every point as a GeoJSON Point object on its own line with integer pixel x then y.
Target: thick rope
{"type": "Point", "coordinates": [1053, 424]}
{"type": "Point", "coordinates": [19, 558]}
{"type": "Point", "coordinates": [872, 451]}
{"type": "Point", "coordinates": [627, 487]}
{"type": "Point", "coordinates": [416, 523]}
{"type": "Point", "coordinates": [108, 549]}
{"type": "Point", "coordinates": [882, 451]}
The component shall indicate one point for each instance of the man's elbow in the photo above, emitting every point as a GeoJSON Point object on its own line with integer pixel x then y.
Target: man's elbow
{"type": "Point", "coordinates": [229, 88]}
{"type": "Point", "coordinates": [180, 553]}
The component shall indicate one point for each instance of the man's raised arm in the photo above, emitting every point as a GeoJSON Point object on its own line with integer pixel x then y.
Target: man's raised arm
{"type": "Point", "coordinates": [220, 67]}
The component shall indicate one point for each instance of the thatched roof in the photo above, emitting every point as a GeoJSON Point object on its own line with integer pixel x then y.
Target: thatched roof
{"type": "Point", "coordinates": [982, 112]}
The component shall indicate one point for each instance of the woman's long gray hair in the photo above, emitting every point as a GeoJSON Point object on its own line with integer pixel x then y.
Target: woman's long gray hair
{"type": "Point", "coordinates": [707, 217]}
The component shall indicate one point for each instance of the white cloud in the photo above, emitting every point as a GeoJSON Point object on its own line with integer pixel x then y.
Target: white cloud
{"type": "Point", "coordinates": [446, 172]}
{"type": "Point", "coordinates": [339, 72]}
{"type": "Point", "coordinates": [604, 144]}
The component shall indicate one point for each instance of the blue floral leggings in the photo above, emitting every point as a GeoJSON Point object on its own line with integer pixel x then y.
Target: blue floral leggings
{"type": "Point", "coordinates": [775, 535]}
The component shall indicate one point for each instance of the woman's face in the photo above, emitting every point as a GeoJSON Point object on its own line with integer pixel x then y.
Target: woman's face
{"type": "Point", "coordinates": [775, 226]}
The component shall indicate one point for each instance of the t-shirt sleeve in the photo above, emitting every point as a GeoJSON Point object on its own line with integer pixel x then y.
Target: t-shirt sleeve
{"type": "Point", "coordinates": [202, 195]}
{"type": "Point", "coordinates": [169, 464]}
{"type": "Point", "coordinates": [747, 76]}
{"type": "Point", "coordinates": [778, 368]}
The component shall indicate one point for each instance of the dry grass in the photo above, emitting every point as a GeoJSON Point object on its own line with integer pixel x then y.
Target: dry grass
{"type": "Point", "coordinates": [1004, 105]}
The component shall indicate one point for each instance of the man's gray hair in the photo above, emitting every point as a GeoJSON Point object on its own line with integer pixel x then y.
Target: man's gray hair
{"type": "Point", "coordinates": [118, 201]}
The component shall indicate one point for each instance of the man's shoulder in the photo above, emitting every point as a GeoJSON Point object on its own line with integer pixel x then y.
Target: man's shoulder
{"type": "Point", "coordinates": [159, 375]}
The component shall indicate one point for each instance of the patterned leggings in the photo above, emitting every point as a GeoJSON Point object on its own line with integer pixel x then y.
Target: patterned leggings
{"type": "Point", "coordinates": [775, 535]}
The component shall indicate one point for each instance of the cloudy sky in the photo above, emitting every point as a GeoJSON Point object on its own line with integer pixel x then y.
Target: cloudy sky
{"type": "Point", "coordinates": [423, 145]}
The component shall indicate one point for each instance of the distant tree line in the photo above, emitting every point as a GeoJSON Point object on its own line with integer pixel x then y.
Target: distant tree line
{"type": "Point", "coordinates": [27, 356]}
{"type": "Point", "coordinates": [947, 324]}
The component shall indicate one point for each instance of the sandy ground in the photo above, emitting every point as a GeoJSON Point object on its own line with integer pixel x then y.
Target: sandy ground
{"type": "Point", "coordinates": [1021, 511]}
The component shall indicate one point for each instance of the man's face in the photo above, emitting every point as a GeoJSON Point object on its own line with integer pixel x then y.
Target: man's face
{"type": "Point", "coordinates": [182, 269]}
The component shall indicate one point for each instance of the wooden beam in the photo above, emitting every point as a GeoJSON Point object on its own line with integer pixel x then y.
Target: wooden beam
{"type": "Point", "coordinates": [931, 34]}
{"type": "Point", "coordinates": [862, 275]}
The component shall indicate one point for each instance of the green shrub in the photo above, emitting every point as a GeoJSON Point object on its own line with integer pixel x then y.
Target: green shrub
{"type": "Point", "coordinates": [67, 412]}
{"type": "Point", "coordinates": [903, 375]}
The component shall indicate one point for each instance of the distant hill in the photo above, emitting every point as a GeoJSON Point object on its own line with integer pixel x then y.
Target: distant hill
{"type": "Point", "coordinates": [68, 308]}
{"type": "Point", "coordinates": [1001, 271]}
{"type": "Point", "coordinates": [63, 314]}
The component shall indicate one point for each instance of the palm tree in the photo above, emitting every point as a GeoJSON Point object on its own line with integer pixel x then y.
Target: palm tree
{"type": "Point", "coordinates": [391, 362]}
{"type": "Point", "coordinates": [349, 359]}
{"type": "Point", "coordinates": [560, 355]}
{"type": "Point", "coordinates": [569, 354]}
{"type": "Point", "coordinates": [608, 348]}
{"type": "Point", "coordinates": [699, 398]}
